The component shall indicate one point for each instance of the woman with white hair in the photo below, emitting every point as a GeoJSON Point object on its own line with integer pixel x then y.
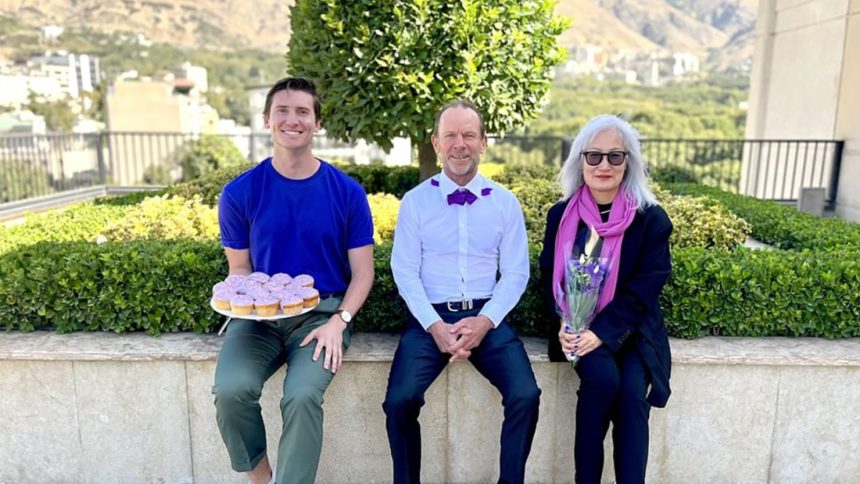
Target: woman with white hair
{"type": "Point", "coordinates": [608, 213]}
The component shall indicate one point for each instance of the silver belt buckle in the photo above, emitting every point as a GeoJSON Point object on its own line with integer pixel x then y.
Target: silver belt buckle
{"type": "Point", "coordinates": [465, 305]}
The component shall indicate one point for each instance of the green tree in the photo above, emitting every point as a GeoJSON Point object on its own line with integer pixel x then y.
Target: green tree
{"type": "Point", "coordinates": [58, 116]}
{"type": "Point", "coordinates": [208, 154]}
{"type": "Point", "coordinates": [386, 66]}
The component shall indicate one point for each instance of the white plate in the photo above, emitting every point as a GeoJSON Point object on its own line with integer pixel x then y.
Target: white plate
{"type": "Point", "coordinates": [279, 315]}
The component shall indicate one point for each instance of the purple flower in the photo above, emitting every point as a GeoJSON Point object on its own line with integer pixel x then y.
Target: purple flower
{"type": "Point", "coordinates": [580, 291]}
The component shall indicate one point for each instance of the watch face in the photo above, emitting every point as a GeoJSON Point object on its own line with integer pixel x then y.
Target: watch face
{"type": "Point", "coordinates": [344, 315]}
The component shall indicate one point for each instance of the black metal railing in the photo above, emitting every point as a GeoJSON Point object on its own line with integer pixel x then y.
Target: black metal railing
{"type": "Point", "coordinates": [770, 169]}
{"type": "Point", "coordinates": [34, 165]}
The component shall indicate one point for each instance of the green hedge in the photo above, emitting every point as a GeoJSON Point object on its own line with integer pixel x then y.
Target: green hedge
{"type": "Point", "coordinates": [164, 286]}
{"type": "Point", "coordinates": [778, 225]}
{"type": "Point", "coordinates": [746, 292]}
{"type": "Point", "coordinates": [82, 221]}
{"type": "Point", "coordinates": [396, 180]}
{"type": "Point", "coordinates": [52, 274]}
{"type": "Point", "coordinates": [154, 286]}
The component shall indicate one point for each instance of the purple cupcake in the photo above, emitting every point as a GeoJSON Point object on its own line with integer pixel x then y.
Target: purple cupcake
{"type": "Point", "coordinates": [241, 305]}
{"type": "Point", "coordinates": [303, 280]}
{"type": "Point", "coordinates": [260, 277]}
{"type": "Point", "coordinates": [281, 278]}
{"type": "Point", "coordinates": [266, 305]}
{"type": "Point", "coordinates": [292, 305]}
{"type": "Point", "coordinates": [235, 280]}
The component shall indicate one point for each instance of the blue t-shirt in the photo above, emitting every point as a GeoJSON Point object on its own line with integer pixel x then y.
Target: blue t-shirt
{"type": "Point", "coordinates": [297, 226]}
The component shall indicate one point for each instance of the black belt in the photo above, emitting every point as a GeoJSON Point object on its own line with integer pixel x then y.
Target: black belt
{"type": "Point", "coordinates": [457, 306]}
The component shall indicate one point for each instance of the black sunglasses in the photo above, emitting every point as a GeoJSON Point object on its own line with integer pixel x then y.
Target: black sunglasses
{"type": "Point", "coordinates": [594, 158]}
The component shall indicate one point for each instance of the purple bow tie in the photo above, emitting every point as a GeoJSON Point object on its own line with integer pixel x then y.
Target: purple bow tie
{"type": "Point", "coordinates": [461, 197]}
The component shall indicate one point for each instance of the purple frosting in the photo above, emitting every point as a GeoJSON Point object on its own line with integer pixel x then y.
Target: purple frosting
{"type": "Point", "coordinates": [272, 286]}
{"type": "Point", "coordinates": [260, 277]}
{"type": "Point", "coordinates": [306, 292]}
{"type": "Point", "coordinates": [281, 278]}
{"type": "Point", "coordinates": [265, 300]}
{"type": "Point", "coordinates": [235, 280]}
{"type": "Point", "coordinates": [242, 300]}
{"type": "Point", "coordinates": [220, 287]}
{"type": "Point", "coordinates": [290, 300]}
{"type": "Point", "coordinates": [302, 280]}
{"type": "Point", "coordinates": [225, 293]}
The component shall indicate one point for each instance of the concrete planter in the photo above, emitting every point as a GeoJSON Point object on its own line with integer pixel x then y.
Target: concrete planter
{"type": "Point", "coordinates": [103, 408]}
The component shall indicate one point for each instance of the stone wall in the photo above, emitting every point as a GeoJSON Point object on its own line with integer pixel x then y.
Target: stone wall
{"type": "Point", "coordinates": [106, 408]}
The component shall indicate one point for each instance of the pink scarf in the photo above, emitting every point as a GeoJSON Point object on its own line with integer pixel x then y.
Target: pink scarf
{"type": "Point", "coordinates": [583, 207]}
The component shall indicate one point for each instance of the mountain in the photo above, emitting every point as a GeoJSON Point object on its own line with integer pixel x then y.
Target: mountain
{"type": "Point", "coordinates": [720, 31]}
{"type": "Point", "coordinates": [215, 24]}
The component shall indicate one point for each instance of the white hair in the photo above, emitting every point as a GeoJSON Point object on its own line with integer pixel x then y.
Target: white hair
{"type": "Point", "coordinates": [634, 183]}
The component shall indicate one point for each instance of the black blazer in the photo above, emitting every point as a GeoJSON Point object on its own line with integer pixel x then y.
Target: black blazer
{"type": "Point", "coordinates": [635, 310]}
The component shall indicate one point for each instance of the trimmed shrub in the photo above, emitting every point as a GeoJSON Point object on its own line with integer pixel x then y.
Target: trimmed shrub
{"type": "Point", "coordinates": [513, 174]}
{"type": "Point", "coordinates": [672, 174]}
{"type": "Point", "coordinates": [395, 180]}
{"type": "Point", "coordinates": [491, 170]}
{"type": "Point", "coordinates": [154, 286]}
{"type": "Point", "coordinates": [167, 218]}
{"type": "Point", "coordinates": [536, 196]}
{"type": "Point", "coordinates": [700, 224]}
{"type": "Point", "coordinates": [384, 208]}
{"type": "Point", "coordinates": [132, 198]}
{"type": "Point", "coordinates": [157, 175]}
{"type": "Point", "coordinates": [209, 187]}
{"type": "Point", "coordinates": [779, 225]}
{"type": "Point", "coordinates": [746, 292]}
{"type": "Point", "coordinates": [162, 286]}
{"type": "Point", "coordinates": [207, 154]}
{"type": "Point", "coordinates": [383, 310]}
{"type": "Point", "coordinates": [82, 221]}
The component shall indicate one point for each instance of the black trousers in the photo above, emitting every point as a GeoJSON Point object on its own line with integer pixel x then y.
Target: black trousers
{"type": "Point", "coordinates": [500, 358]}
{"type": "Point", "coordinates": [612, 389]}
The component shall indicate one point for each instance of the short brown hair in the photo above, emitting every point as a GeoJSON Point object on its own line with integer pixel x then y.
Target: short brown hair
{"type": "Point", "coordinates": [293, 84]}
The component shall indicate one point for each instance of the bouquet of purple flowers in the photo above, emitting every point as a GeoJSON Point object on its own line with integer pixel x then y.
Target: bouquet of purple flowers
{"type": "Point", "coordinates": [580, 290]}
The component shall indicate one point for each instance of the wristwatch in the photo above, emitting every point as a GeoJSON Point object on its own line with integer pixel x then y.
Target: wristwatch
{"type": "Point", "coordinates": [345, 315]}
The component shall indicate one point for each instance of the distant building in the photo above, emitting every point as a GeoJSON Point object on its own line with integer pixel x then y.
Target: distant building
{"type": "Point", "coordinates": [153, 120]}
{"type": "Point", "coordinates": [22, 122]}
{"type": "Point", "coordinates": [163, 106]}
{"type": "Point", "coordinates": [51, 32]}
{"type": "Point", "coordinates": [74, 73]}
{"type": "Point", "coordinates": [17, 86]}
{"type": "Point", "coordinates": [195, 74]}
{"type": "Point", "coordinates": [684, 63]}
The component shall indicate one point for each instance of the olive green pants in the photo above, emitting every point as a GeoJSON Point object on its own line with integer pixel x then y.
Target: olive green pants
{"type": "Point", "coordinates": [252, 352]}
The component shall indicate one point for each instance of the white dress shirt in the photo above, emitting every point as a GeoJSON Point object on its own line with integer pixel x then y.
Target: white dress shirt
{"type": "Point", "coordinates": [454, 252]}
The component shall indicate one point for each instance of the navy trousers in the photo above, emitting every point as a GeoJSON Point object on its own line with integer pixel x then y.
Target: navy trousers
{"type": "Point", "coordinates": [612, 389]}
{"type": "Point", "coordinates": [500, 358]}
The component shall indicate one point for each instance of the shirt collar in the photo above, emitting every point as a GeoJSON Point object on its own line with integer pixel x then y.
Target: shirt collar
{"type": "Point", "coordinates": [447, 185]}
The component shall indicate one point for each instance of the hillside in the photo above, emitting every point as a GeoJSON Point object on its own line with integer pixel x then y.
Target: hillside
{"type": "Point", "coordinates": [719, 30]}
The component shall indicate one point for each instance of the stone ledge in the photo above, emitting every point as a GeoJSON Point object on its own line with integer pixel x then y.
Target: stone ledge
{"type": "Point", "coordinates": [370, 347]}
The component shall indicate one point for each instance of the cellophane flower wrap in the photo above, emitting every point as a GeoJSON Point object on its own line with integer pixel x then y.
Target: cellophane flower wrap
{"type": "Point", "coordinates": [580, 290]}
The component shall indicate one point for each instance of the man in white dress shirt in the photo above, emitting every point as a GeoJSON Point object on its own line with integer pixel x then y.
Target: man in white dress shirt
{"type": "Point", "coordinates": [455, 232]}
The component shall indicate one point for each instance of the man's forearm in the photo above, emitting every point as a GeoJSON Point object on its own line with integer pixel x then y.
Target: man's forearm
{"type": "Point", "coordinates": [357, 291]}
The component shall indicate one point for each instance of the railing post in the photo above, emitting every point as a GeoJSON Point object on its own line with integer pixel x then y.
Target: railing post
{"type": "Point", "coordinates": [566, 144]}
{"type": "Point", "coordinates": [251, 146]}
{"type": "Point", "coordinates": [100, 157]}
{"type": "Point", "coordinates": [834, 174]}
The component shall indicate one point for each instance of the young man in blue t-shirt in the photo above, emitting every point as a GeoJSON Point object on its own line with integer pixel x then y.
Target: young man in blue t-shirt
{"type": "Point", "coordinates": [296, 214]}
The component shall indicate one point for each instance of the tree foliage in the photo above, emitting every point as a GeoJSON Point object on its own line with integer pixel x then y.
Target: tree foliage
{"type": "Point", "coordinates": [386, 66]}
{"type": "Point", "coordinates": [207, 154]}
